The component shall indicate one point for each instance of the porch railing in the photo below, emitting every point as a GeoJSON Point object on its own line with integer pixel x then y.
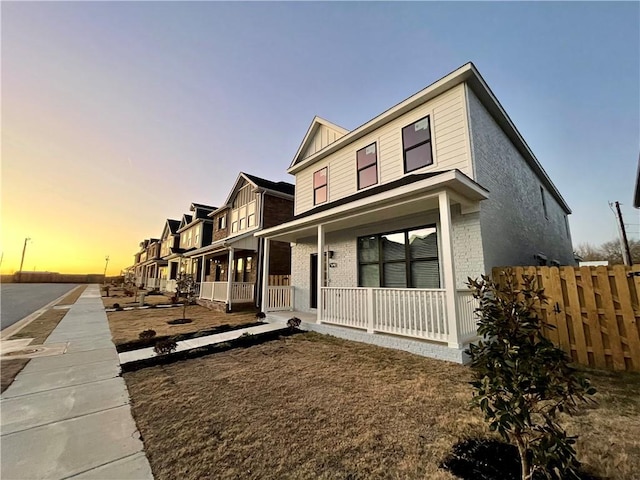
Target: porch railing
{"type": "Point", "coordinates": [467, 318]}
{"type": "Point", "coordinates": [241, 292]}
{"type": "Point", "coordinates": [151, 283]}
{"type": "Point", "coordinates": [279, 298]}
{"type": "Point", "coordinates": [162, 284]}
{"type": "Point", "coordinates": [170, 286]}
{"type": "Point", "coordinates": [345, 306]}
{"type": "Point", "coordinates": [412, 312]}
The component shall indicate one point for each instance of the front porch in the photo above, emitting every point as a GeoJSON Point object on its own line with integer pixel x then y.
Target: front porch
{"type": "Point", "coordinates": [394, 267]}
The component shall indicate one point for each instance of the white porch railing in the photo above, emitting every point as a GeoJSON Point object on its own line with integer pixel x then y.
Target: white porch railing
{"type": "Point", "coordinates": [279, 298]}
{"type": "Point", "coordinates": [151, 283]}
{"type": "Point", "coordinates": [170, 286]}
{"type": "Point", "coordinates": [241, 292]}
{"type": "Point", "coordinates": [162, 284]}
{"type": "Point", "coordinates": [467, 318]}
{"type": "Point", "coordinates": [206, 290]}
{"type": "Point", "coordinates": [412, 312]}
{"type": "Point", "coordinates": [345, 306]}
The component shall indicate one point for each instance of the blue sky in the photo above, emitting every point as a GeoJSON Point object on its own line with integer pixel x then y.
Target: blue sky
{"type": "Point", "coordinates": [130, 111]}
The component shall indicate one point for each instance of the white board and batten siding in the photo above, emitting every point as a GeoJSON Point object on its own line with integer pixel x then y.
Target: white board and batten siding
{"type": "Point", "coordinates": [322, 137]}
{"type": "Point", "coordinates": [450, 148]}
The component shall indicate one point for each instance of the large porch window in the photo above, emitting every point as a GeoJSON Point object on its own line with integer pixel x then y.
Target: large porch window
{"type": "Point", "coordinates": [401, 259]}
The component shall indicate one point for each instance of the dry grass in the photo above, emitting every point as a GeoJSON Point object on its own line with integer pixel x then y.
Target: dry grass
{"type": "Point", "coordinates": [9, 370]}
{"type": "Point", "coordinates": [127, 325]}
{"type": "Point", "coordinates": [39, 330]}
{"type": "Point", "coordinates": [73, 296]}
{"type": "Point", "coordinates": [311, 406]}
{"type": "Point", "coordinates": [116, 295]}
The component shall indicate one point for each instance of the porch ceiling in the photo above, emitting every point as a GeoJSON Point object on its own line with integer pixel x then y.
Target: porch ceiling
{"type": "Point", "coordinates": [408, 200]}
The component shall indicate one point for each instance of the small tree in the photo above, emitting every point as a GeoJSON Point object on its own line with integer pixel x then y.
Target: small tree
{"type": "Point", "coordinates": [185, 288]}
{"type": "Point", "coordinates": [130, 286]}
{"type": "Point", "coordinates": [522, 380]}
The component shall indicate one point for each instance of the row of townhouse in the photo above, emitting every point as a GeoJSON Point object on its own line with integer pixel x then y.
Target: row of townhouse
{"type": "Point", "coordinates": [390, 219]}
{"type": "Point", "coordinates": [217, 245]}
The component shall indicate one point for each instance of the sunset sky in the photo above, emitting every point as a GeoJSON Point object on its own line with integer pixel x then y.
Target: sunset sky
{"type": "Point", "coordinates": [116, 116]}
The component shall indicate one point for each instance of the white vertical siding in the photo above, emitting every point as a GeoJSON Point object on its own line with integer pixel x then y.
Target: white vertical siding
{"type": "Point", "coordinates": [450, 147]}
{"type": "Point", "coordinates": [322, 137]}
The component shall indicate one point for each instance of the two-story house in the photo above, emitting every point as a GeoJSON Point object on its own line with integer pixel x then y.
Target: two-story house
{"type": "Point", "coordinates": [232, 259]}
{"type": "Point", "coordinates": [194, 231]}
{"type": "Point", "coordinates": [151, 264]}
{"type": "Point", "coordinates": [392, 217]}
{"type": "Point", "coordinates": [140, 257]}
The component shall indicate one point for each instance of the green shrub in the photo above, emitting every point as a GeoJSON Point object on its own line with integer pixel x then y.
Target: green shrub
{"type": "Point", "coordinates": [521, 380]}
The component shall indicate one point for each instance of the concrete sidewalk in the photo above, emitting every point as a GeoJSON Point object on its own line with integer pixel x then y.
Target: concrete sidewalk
{"type": "Point", "coordinates": [68, 416]}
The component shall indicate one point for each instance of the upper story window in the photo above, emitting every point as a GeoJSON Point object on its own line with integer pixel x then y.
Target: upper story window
{"type": "Point", "coordinates": [367, 165]}
{"type": "Point", "coordinates": [416, 145]}
{"type": "Point", "coordinates": [243, 215]}
{"type": "Point", "coordinates": [196, 241]}
{"type": "Point", "coordinates": [320, 186]}
{"type": "Point", "coordinates": [222, 222]}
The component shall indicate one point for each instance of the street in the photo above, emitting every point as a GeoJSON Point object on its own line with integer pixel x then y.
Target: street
{"type": "Point", "coordinates": [17, 300]}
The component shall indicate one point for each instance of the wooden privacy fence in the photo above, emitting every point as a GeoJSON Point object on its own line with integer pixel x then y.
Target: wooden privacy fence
{"type": "Point", "coordinates": [595, 311]}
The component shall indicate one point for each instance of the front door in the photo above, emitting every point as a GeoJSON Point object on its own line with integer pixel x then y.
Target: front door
{"type": "Point", "coordinates": [313, 302]}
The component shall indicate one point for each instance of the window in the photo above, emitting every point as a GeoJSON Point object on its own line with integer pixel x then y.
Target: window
{"type": "Point", "coordinates": [416, 145]}
{"type": "Point", "coordinates": [234, 221]}
{"type": "Point", "coordinates": [197, 237]}
{"type": "Point", "coordinates": [320, 186]}
{"type": "Point", "coordinates": [405, 259]}
{"type": "Point", "coordinates": [367, 165]}
{"type": "Point", "coordinates": [251, 214]}
{"type": "Point", "coordinates": [222, 222]}
{"type": "Point", "coordinates": [566, 225]}
{"type": "Point", "coordinates": [544, 203]}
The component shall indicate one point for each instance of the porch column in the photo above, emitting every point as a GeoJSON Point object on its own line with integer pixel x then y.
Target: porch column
{"type": "Point", "coordinates": [320, 272]}
{"type": "Point", "coordinates": [265, 275]}
{"type": "Point", "coordinates": [202, 269]}
{"type": "Point", "coordinates": [449, 268]}
{"type": "Point", "coordinates": [230, 272]}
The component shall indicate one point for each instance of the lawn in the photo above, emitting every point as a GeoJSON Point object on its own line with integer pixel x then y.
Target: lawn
{"type": "Point", "coordinates": [127, 325]}
{"type": "Point", "coordinates": [39, 329]}
{"type": "Point", "coordinates": [116, 295]}
{"type": "Point", "coordinates": [312, 406]}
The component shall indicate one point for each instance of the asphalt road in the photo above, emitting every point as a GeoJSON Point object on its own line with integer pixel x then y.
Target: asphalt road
{"type": "Point", "coordinates": [17, 300]}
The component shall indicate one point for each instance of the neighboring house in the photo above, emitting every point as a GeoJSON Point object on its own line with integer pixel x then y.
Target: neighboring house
{"type": "Point", "coordinates": [140, 257]}
{"type": "Point", "coordinates": [404, 208]}
{"type": "Point", "coordinates": [151, 264]}
{"type": "Point", "coordinates": [232, 258]}
{"type": "Point", "coordinates": [194, 232]}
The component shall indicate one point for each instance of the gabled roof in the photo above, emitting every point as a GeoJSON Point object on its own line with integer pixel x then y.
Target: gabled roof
{"type": "Point", "coordinates": [170, 228]}
{"type": "Point", "coordinates": [469, 74]}
{"type": "Point", "coordinates": [201, 210]}
{"type": "Point", "coordinates": [186, 220]}
{"type": "Point", "coordinates": [309, 137]}
{"type": "Point", "coordinates": [280, 187]}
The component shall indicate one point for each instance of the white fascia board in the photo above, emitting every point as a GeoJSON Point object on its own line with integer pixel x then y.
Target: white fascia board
{"type": "Point", "coordinates": [451, 179]}
{"type": "Point", "coordinates": [446, 83]}
{"type": "Point", "coordinates": [313, 127]}
{"type": "Point", "coordinates": [492, 104]}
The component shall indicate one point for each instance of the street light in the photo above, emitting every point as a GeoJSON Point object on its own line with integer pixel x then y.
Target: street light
{"type": "Point", "coordinates": [24, 249]}
{"type": "Point", "coordinates": [105, 269]}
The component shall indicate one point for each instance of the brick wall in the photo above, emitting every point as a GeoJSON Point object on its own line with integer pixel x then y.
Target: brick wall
{"type": "Point", "coordinates": [219, 234]}
{"type": "Point", "coordinates": [513, 223]}
{"type": "Point", "coordinates": [279, 258]}
{"type": "Point", "coordinates": [277, 210]}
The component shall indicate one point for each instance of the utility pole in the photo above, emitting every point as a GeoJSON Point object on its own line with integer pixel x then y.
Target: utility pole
{"type": "Point", "coordinates": [24, 249]}
{"type": "Point", "coordinates": [624, 243]}
{"type": "Point", "coordinates": [105, 268]}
